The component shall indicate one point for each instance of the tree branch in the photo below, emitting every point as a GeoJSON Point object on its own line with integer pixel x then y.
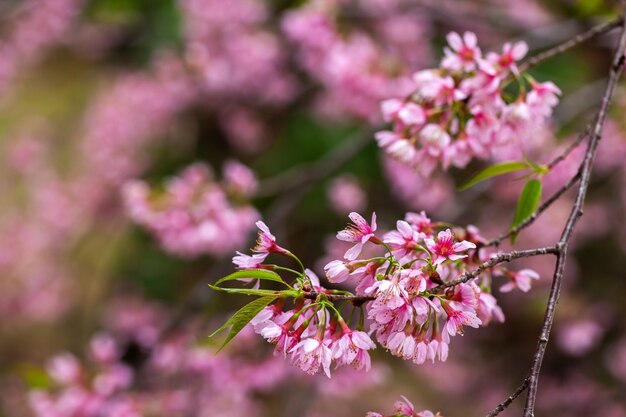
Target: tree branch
{"type": "Point", "coordinates": [574, 217]}
{"type": "Point", "coordinates": [550, 165]}
{"type": "Point", "coordinates": [505, 404]}
{"type": "Point", "coordinates": [530, 220]}
{"type": "Point", "coordinates": [576, 40]}
{"type": "Point", "coordinates": [467, 276]}
{"type": "Point", "coordinates": [495, 260]}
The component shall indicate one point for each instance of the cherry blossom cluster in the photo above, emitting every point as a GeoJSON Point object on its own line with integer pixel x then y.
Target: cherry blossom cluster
{"type": "Point", "coordinates": [402, 295]}
{"type": "Point", "coordinates": [357, 68]}
{"type": "Point", "coordinates": [239, 65]}
{"type": "Point", "coordinates": [122, 120]}
{"type": "Point", "coordinates": [133, 369]}
{"type": "Point", "coordinates": [194, 214]}
{"type": "Point", "coordinates": [35, 27]}
{"type": "Point", "coordinates": [177, 376]}
{"type": "Point", "coordinates": [404, 408]}
{"type": "Point", "coordinates": [472, 106]}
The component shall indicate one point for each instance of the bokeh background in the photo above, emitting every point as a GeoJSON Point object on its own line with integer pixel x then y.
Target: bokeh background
{"type": "Point", "coordinates": [106, 312]}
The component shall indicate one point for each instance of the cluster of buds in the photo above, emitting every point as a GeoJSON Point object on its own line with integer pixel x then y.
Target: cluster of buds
{"type": "Point", "coordinates": [467, 108]}
{"type": "Point", "coordinates": [407, 296]}
{"type": "Point", "coordinates": [194, 214]}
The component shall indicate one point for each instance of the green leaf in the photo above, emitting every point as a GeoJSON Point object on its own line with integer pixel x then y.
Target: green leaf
{"type": "Point", "coordinates": [242, 317]}
{"type": "Point", "coordinates": [262, 274]}
{"type": "Point", "coordinates": [493, 171]}
{"type": "Point", "coordinates": [35, 377]}
{"type": "Point", "coordinates": [529, 200]}
{"type": "Point", "coordinates": [247, 291]}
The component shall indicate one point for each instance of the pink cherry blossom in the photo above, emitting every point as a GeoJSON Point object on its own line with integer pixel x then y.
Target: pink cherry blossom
{"type": "Point", "coordinates": [543, 97]}
{"type": "Point", "coordinates": [511, 53]}
{"type": "Point", "coordinates": [488, 309]}
{"type": "Point", "coordinates": [402, 344]}
{"type": "Point", "coordinates": [463, 52]}
{"type": "Point", "coordinates": [65, 369]}
{"type": "Point", "coordinates": [459, 318]}
{"type": "Point", "coordinates": [337, 271]}
{"type": "Point", "coordinates": [402, 241]}
{"type": "Point", "coordinates": [346, 195]}
{"type": "Point", "coordinates": [266, 242]}
{"type": "Point", "coordinates": [312, 354]}
{"type": "Point", "coordinates": [351, 348]}
{"type": "Point", "coordinates": [358, 232]}
{"type": "Point", "coordinates": [243, 261]}
{"type": "Point", "coordinates": [239, 178]}
{"type": "Point", "coordinates": [404, 408]}
{"type": "Point", "coordinates": [521, 279]}
{"type": "Point", "coordinates": [444, 247]}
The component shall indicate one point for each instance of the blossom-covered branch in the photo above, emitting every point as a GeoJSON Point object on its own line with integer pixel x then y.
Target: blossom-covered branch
{"type": "Point", "coordinates": [398, 287]}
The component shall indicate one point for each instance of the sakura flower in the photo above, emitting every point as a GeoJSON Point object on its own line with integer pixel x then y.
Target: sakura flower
{"type": "Point", "coordinates": [311, 354]}
{"type": "Point", "coordinates": [239, 178]}
{"type": "Point", "coordinates": [389, 292]}
{"type": "Point", "coordinates": [458, 318]}
{"type": "Point", "coordinates": [263, 320]}
{"type": "Point", "coordinates": [359, 232]}
{"type": "Point", "coordinates": [103, 349]}
{"type": "Point", "coordinates": [444, 247]}
{"type": "Point", "coordinates": [402, 345]}
{"type": "Point", "coordinates": [434, 138]}
{"type": "Point", "coordinates": [578, 337]}
{"type": "Point", "coordinates": [511, 53]}
{"type": "Point", "coordinates": [465, 297]}
{"type": "Point", "coordinates": [413, 281]}
{"type": "Point", "coordinates": [411, 114]}
{"type": "Point", "coordinates": [433, 87]}
{"type": "Point", "coordinates": [390, 108]}
{"type": "Point", "coordinates": [463, 52]}
{"type": "Point", "coordinates": [488, 308]}
{"type": "Point", "coordinates": [266, 243]}
{"type": "Point", "coordinates": [543, 97]}
{"type": "Point", "coordinates": [520, 279]}
{"type": "Point", "coordinates": [404, 408]}
{"type": "Point", "coordinates": [403, 240]}
{"type": "Point", "coordinates": [114, 378]}
{"type": "Point", "coordinates": [65, 369]}
{"type": "Point", "coordinates": [337, 271]}
{"type": "Point", "coordinates": [438, 347]}
{"type": "Point", "coordinates": [243, 261]}
{"type": "Point", "coordinates": [351, 348]}
{"type": "Point", "coordinates": [420, 221]}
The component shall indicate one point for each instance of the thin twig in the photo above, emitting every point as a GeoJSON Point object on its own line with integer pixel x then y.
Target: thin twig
{"type": "Point", "coordinates": [576, 40]}
{"type": "Point", "coordinates": [574, 217]}
{"type": "Point", "coordinates": [504, 404]}
{"type": "Point", "coordinates": [543, 207]}
{"type": "Point", "coordinates": [467, 276]}
{"type": "Point", "coordinates": [554, 197]}
{"type": "Point", "coordinates": [496, 260]}
{"type": "Point", "coordinates": [354, 299]}
{"type": "Point", "coordinates": [571, 147]}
